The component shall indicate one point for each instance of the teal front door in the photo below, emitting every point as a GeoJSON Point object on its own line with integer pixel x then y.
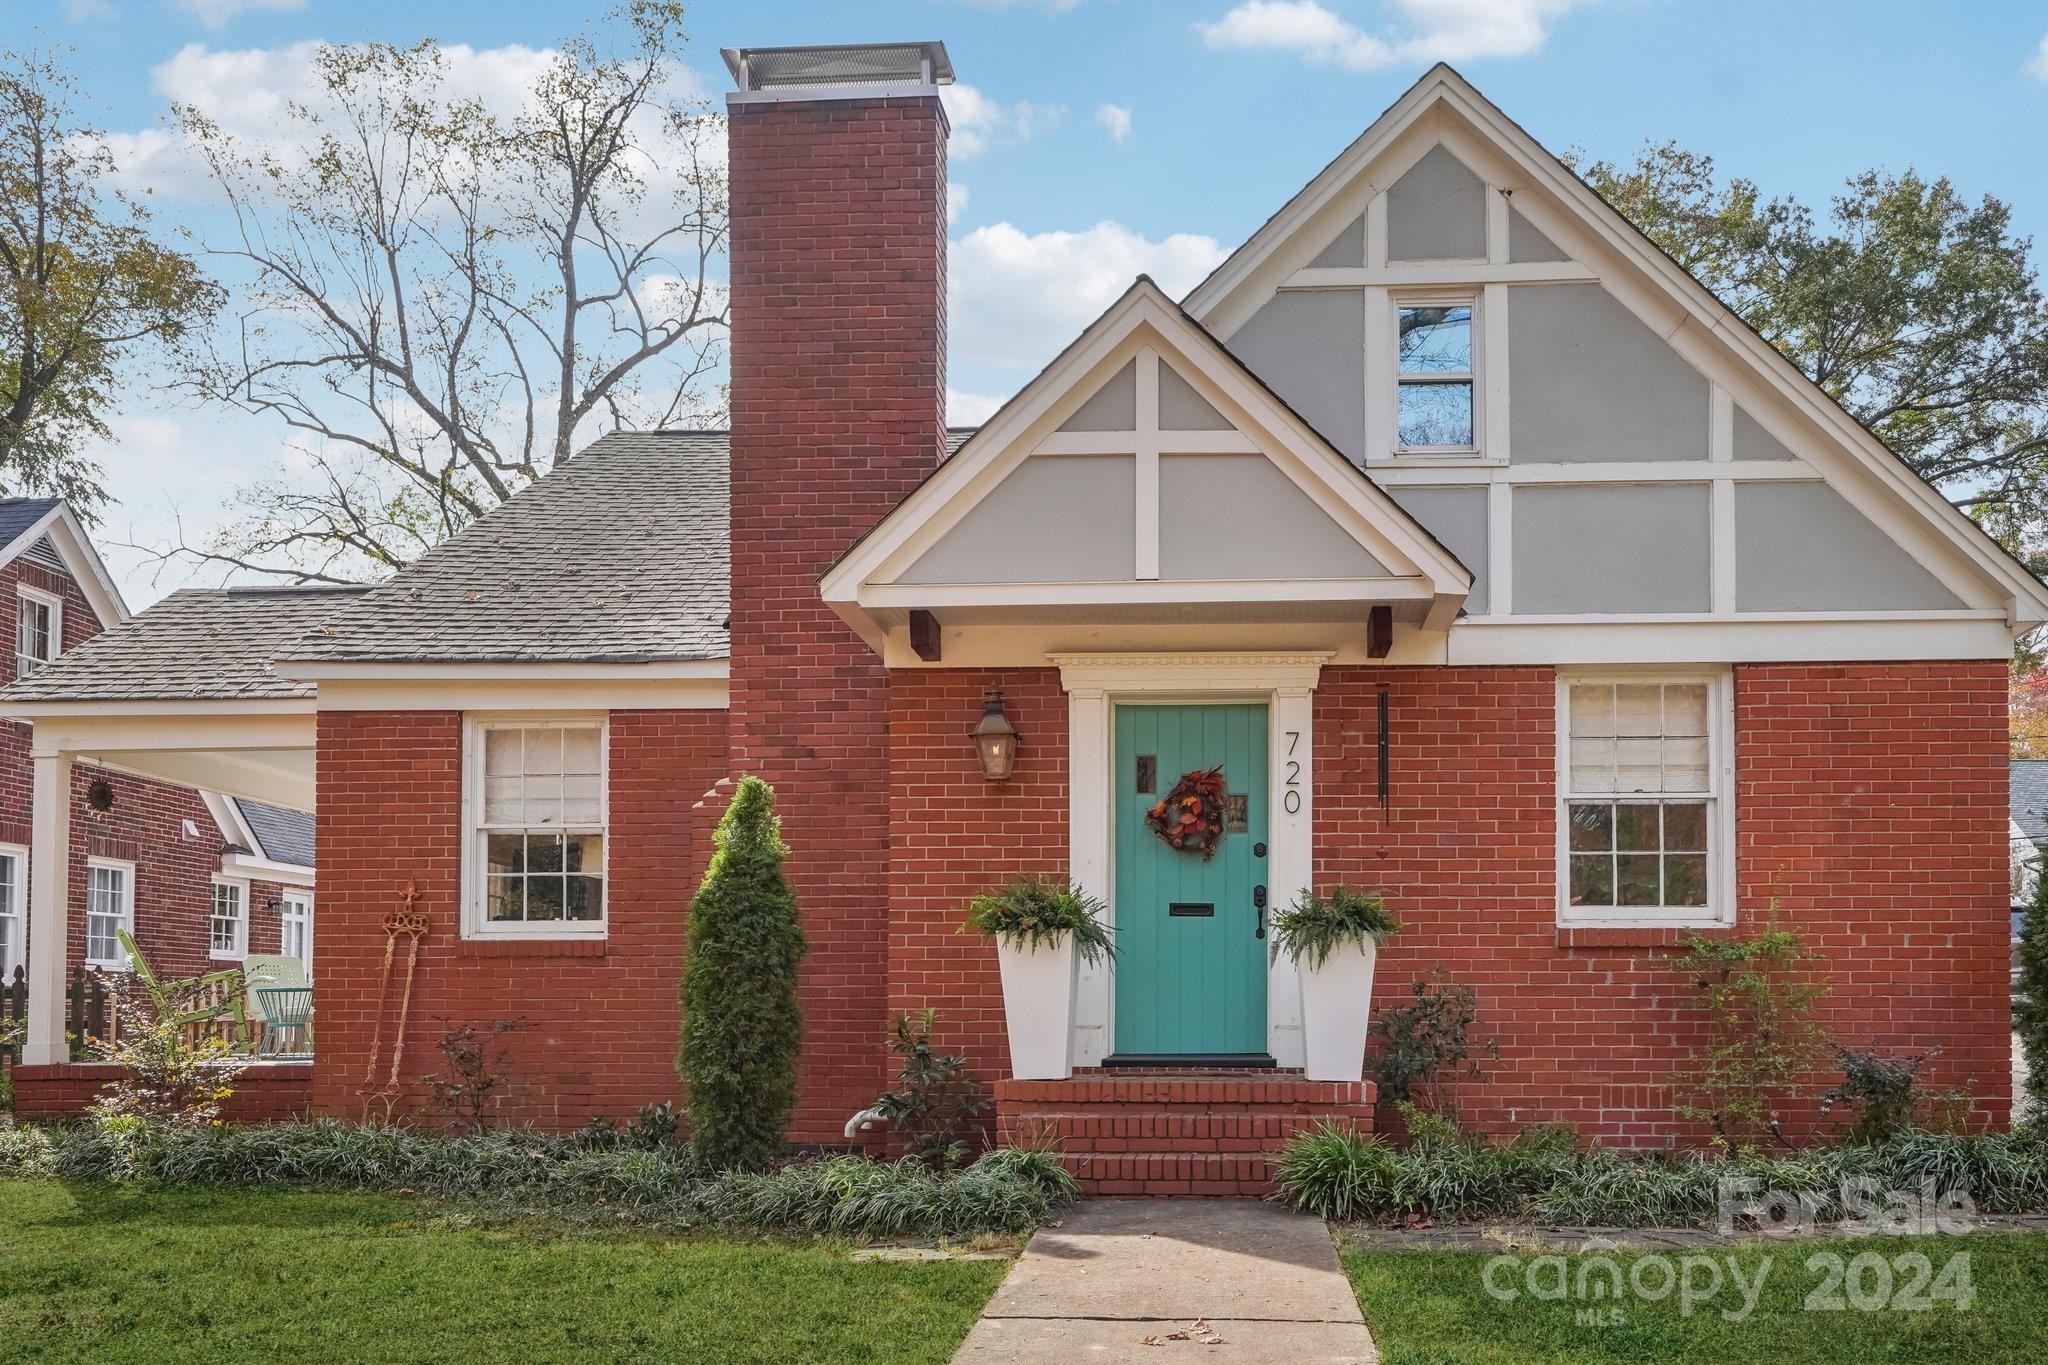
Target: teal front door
{"type": "Point", "coordinates": [1190, 946]}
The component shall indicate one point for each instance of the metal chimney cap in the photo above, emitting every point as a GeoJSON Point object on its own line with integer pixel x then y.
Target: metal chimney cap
{"type": "Point", "coordinates": [835, 66]}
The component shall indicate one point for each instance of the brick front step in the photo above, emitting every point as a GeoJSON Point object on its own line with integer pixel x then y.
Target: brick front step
{"type": "Point", "coordinates": [1175, 1133]}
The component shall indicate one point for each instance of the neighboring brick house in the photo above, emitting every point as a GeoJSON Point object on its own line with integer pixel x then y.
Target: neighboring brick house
{"type": "Point", "coordinates": [145, 855]}
{"type": "Point", "coordinates": [1503, 569]}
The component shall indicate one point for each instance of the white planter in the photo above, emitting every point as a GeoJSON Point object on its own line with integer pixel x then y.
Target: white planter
{"type": "Point", "coordinates": [1336, 1005]}
{"type": "Point", "coordinates": [1038, 1009]}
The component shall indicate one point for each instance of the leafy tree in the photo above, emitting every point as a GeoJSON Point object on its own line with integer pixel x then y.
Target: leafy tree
{"type": "Point", "coordinates": [84, 288]}
{"type": "Point", "coordinates": [741, 1021]}
{"type": "Point", "coordinates": [1916, 309]}
{"type": "Point", "coordinates": [439, 300]}
{"type": "Point", "coordinates": [2030, 998]}
{"type": "Point", "coordinates": [2027, 712]}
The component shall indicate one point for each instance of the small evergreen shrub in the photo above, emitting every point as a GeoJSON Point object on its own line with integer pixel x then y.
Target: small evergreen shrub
{"type": "Point", "coordinates": [1886, 1096]}
{"type": "Point", "coordinates": [1035, 912]}
{"type": "Point", "coordinates": [2030, 998]}
{"type": "Point", "coordinates": [937, 1100]}
{"type": "Point", "coordinates": [1317, 925]}
{"type": "Point", "coordinates": [1420, 1048]}
{"type": "Point", "coordinates": [741, 1021]}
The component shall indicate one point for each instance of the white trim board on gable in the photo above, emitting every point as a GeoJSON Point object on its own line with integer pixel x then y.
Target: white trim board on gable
{"type": "Point", "coordinates": [1569, 236]}
{"type": "Point", "coordinates": [81, 559]}
{"type": "Point", "coordinates": [1214, 501]}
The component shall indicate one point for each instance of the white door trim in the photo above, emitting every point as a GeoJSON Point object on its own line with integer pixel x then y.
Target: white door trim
{"type": "Point", "coordinates": [1094, 683]}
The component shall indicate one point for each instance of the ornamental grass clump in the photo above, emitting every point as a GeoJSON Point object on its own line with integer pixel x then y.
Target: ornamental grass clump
{"type": "Point", "coordinates": [1316, 926]}
{"type": "Point", "coordinates": [1035, 912]}
{"type": "Point", "coordinates": [741, 1022]}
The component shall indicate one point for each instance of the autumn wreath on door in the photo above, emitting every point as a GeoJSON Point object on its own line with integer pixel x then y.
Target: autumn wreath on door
{"type": "Point", "coordinates": [1191, 816]}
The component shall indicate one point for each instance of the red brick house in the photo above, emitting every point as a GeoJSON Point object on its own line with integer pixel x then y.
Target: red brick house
{"type": "Point", "coordinates": [186, 872]}
{"type": "Point", "coordinates": [1502, 567]}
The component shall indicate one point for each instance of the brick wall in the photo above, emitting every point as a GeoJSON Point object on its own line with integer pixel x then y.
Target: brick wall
{"type": "Point", "coordinates": [173, 887]}
{"type": "Point", "coordinates": [955, 835]}
{"type": "Point", "coordinates": [598, 1019]}
{"type": "Point", "coordinates": [838, 400]}
{"type": "Point", "coordinates": [1871, 807]}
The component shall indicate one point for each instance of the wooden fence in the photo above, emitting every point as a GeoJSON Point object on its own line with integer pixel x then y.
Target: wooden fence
{"type": "Point", "coordinates": [89, 1013]}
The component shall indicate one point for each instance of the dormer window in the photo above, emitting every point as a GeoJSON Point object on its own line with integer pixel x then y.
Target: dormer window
{"type": "Point", "coordinates": [38, 630]}
{"type": "Point", "coordinates": [1433, 348]}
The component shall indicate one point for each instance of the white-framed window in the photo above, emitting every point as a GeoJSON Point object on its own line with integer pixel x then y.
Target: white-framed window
{"type": "Point", "coordinates": [1436, 382]}
{"type": "Point", "coordinates": [109, 908]}
{"type": "Point", "coordinates": [38, 629]}
{"type": "Point", "coordinates": [227, 928]}
{"type": "Point", "coordinates": [13, 911]}
{"type": "Point", "coordinates": [534, 792]}
{"type": "Point", "coordinates": [1645, 801]}
{"type": "Point", "coordinates": [295, 928]}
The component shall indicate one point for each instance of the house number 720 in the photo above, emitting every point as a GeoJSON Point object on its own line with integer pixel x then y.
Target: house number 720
{"type": "Point", "coordinates": [1290, 799]}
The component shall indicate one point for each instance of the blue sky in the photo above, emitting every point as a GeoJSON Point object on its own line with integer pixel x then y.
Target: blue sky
{"type": "Point", "coordinates": [1097, 138]}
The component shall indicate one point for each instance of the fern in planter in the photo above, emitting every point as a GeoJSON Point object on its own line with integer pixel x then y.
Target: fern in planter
{"type": "Point", "coordinates": [1033, 912]}
{"type": "Point", "coordinates": [1317, 925]}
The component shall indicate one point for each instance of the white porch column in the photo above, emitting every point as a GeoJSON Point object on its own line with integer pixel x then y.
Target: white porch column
{"type": "Point", "coordinates": [1088, 838]}
{"type": "Point", "coordinates": [1291, 868]}
{"type": "Point", "coordinates": [49, 867]}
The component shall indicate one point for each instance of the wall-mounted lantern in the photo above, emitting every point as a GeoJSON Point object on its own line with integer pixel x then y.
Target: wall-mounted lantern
{"type": "Point", "coordinates": [995, 740]}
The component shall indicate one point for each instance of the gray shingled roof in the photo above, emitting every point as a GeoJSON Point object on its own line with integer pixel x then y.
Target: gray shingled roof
{"type": "Point", "coordinates": [18, 514]}
{"type": "Point", "coordinates": [199, 644]}
{"type": "Point", "coordinates": [2030, 797]}
{"type": "Point", "coordinates": [284, 835]}
{"type": "Point", "coordinates": [619, 555]}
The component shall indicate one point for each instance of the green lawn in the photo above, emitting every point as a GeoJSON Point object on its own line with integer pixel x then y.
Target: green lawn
{"type": "Point", "coordinates": [1434, 1307]}
{"type": "Point", "coordinates": [91, 1272]}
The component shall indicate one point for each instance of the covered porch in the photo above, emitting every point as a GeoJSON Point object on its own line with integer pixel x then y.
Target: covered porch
{"type": "Point", "coordinates": [183, 693]}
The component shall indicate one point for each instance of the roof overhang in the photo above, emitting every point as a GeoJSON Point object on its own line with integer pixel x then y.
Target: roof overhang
{"type": "Point", "coordinates": [1425, 585]}
{"type": "Point", "coordinates": [260, 750]}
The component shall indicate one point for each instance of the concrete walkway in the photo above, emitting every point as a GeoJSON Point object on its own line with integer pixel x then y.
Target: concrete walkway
{"type": "Point", "coordinates": [1118, 1278]}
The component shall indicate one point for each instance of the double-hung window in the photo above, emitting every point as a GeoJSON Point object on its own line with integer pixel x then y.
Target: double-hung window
{"type": "Point", "coordinates": [1435, 411]}
{"type": "Point", "coordinates": [537, 839]}
{"type": "Point", "coordinates": [109, 908]}
{"type": "Point", "coordinates": [13, 911]}
{"type": "Point", "coordinates": [228, 927]}
{"type": "Point", "coordinates": [38, 630]}
{"type": "Point", "coordinates": [1644, 807]}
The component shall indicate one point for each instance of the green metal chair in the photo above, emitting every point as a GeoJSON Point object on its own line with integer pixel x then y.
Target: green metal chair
{"type": "Point", "coordinates": [288, 1016]}
{"type": "Point", "coordinates": [265, 972]}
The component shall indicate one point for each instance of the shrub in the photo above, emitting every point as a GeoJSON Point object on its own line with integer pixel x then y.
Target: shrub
{"type": "Point", "coordinates": [1316, 926]}
{"type": "Point", "coordinates": [1888, 1096]}
{"type": "Point", "coordinates": [936, 1099]}
{"type": "Point", "coordinates": [1033, 912]}
{"type": "Point", "coordinates": [514, 1173]}
{"type": "Point", "coordinates": [1761, 1038]}
{"type": "Point", "coordinates": [1425, 1045]}
{"type": "Point", "coordinates": [2030, 997]}
{"type": "Point", "coordinates": [741, 1021]}
{"type": "Point", "coordinates": [465, 1094]}
{"type": "Point", "coordinates": [1338, 1173]}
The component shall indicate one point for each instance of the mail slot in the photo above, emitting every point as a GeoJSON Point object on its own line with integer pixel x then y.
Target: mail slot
{"type": "Point", "coordinates": [1192, 909]}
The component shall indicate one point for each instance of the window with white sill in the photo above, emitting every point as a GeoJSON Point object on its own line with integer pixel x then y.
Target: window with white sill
{"type": "Point", "coordinates": [228, 927]}
{"type": "Point", "coordinates": [1435, 389]}
{"type": "Point", "coordinates": [536, 798]}
{"type": "Point", "coordinates": [1643, 801]}
{"type": "Point", "coordinates": [109, 908]}
{"type": "Point", "coordinates": [13, 911]}
{"type": "Point", "coordinates": [38, 630]}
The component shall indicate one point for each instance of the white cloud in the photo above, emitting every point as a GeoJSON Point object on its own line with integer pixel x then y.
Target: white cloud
{"type": "Point", "coordinates": [1116, 118]}
{"type": "Point", "coordinates": [1427, 31]}
{"type": "Point", "coordinates": [1018, 297]}
{"type": "Point", "coordinates": [978, 121]}
{"type": "Point", "coordinates": [217, 14]}
{"type": "Point", "coordinates": [2038, 63]}
{"type": "Point", "coordinates": [956, 201]}
{"type": "Point", "coordinates": [970, 409]}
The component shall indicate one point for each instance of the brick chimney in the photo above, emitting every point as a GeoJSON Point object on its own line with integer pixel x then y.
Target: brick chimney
{"type": "Point", "coordinates": [838, 197]}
